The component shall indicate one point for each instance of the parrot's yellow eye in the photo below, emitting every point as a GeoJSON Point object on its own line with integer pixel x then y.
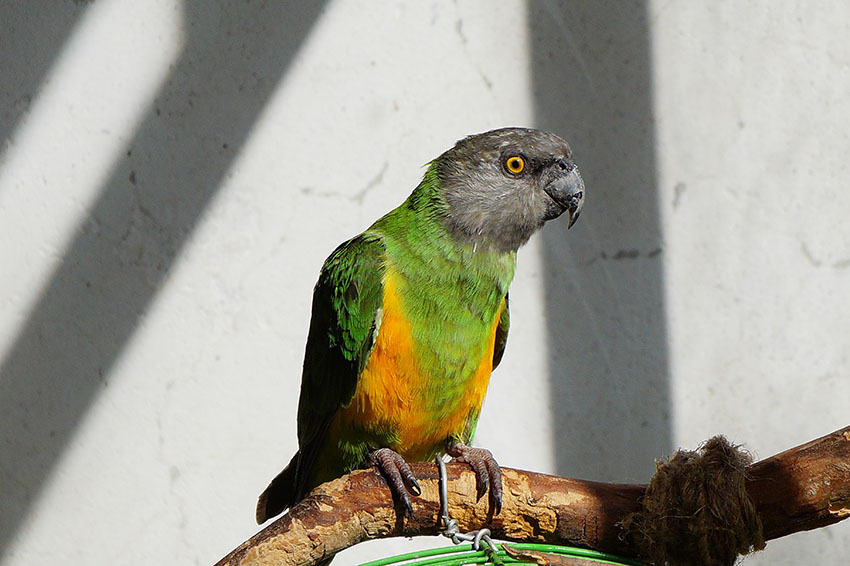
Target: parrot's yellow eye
{"type": "Point", "coordinates": [515, 164]}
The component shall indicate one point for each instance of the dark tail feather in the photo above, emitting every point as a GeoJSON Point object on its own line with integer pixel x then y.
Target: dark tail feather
{"type": "Point", "coordinates": [280, 494]}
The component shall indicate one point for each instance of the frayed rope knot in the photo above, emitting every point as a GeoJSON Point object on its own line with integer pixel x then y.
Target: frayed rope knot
{"type": "Point", "coordinates": [696, 509]}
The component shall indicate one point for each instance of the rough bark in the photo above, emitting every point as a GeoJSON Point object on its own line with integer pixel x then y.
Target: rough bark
{"type": "Point", "coordinates": [800, 489]}
{"type": "Point", "coordinates": [803, 488]}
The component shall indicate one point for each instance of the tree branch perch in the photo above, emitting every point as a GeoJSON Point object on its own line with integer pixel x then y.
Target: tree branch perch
{"type": "Point", "coordinates": [803, 488]}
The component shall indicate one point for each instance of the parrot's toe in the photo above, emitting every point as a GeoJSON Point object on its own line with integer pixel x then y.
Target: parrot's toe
{"type": "Point", "coordinates": [488, 474]}
{"type": "Point", "coordinates": [398, 475]}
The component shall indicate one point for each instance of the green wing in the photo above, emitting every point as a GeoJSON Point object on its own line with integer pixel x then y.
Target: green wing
{"type": "Point", "coordinates": [346, 301]}
{"type": "Point", "coordinates": [502, 333]}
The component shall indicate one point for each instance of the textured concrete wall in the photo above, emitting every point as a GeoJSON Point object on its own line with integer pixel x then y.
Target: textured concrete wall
{"type": "Point", "coordinates": [173, 173]}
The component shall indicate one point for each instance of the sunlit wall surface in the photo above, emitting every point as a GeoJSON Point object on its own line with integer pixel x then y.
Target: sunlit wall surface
{"type": "Point", "coordinates": [173, 173]}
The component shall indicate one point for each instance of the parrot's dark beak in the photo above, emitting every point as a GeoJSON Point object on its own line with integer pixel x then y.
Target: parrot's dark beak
{"type": "Point", "coordinates": [567, 192]}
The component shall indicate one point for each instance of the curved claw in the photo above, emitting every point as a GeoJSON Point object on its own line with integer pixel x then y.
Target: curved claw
{"type": "Point", "coordinates": [487, 471]}
{"type": "Point", "coordinates": [398, 475]}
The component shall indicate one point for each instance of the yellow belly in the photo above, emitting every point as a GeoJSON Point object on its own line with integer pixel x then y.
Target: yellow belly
{"type": "Point", "coordinates": [391, 390]}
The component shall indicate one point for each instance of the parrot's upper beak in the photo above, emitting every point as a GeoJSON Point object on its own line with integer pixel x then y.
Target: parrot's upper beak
{"type": "Point", "coordinates": [567, 190]}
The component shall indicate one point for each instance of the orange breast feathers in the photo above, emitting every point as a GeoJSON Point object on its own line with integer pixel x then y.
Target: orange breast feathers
{"type": "Point", "coordinates": [389, 401]}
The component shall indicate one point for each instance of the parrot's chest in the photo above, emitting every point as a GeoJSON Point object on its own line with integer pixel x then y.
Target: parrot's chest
{"type": "Point", "coordinates": [424, 383]}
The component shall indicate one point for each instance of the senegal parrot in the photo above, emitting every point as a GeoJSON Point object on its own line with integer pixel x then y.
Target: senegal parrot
{"type": "Point", "coordinates": [410, 317]}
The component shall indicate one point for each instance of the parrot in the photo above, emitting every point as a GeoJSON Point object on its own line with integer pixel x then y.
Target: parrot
{"type": "Point", "coordinates": [410, 317]}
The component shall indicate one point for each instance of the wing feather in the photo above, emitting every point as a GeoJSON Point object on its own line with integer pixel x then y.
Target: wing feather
{"type": "Point", "coordinates": [346, 304]}
{"type": "Point", "coordinates": [502, 333]}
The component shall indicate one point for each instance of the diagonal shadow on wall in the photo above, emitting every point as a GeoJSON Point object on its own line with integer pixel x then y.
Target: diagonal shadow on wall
{"type": "Point", "coordinates": [234, 57]}
{"type": "Point", "coordinates": [609, 384]}
{"type": "Point", "coordinates": [31, 34]}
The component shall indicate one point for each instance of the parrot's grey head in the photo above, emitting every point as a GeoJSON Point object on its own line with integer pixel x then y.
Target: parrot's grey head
{"type": "Point", "coordinates": [502, 186]}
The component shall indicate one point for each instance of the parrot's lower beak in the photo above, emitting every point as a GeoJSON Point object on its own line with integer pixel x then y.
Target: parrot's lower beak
{"type": "Point", "coordinates": [567, 192]}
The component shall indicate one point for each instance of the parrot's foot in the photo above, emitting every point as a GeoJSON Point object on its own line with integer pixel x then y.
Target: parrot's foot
{"type": "Point", "coordinates": [398, 475]}
{"type": "Point", "coordinates": [487, 471]}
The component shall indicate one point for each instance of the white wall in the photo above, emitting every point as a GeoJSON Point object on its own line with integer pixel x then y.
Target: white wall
{"type": "Point", "coordinates": [173, 173]}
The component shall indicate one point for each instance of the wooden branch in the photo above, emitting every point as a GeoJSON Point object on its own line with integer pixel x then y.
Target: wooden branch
{"type": "Point", "coordinates": [803, 488]}
{"type": "Point", "coordinates": [800, 489]}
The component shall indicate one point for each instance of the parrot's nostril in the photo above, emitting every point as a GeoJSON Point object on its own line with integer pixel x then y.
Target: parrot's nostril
{"type": "Point", "coordinates": [565, 165]}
